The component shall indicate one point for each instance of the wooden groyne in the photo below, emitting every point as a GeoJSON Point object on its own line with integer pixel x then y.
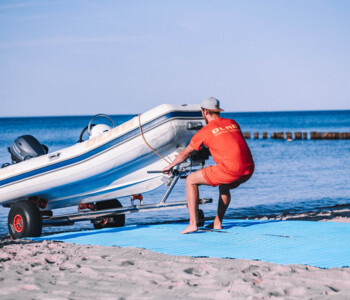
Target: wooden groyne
{"type": "Point", "coordinates": [313, 135]}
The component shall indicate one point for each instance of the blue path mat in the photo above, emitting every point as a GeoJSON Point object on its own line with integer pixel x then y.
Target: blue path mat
{"type": "Point", "coordinates": [320, 244]}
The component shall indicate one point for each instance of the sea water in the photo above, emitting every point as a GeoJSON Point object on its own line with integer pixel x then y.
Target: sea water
{"type": "Point", "coordinates": [292, 176]}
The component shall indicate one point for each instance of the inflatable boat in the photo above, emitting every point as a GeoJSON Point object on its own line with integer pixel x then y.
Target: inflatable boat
{"type": "Point", "coordinates": [113, 162]}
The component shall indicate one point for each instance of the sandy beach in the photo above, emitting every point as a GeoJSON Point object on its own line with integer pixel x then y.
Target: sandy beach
{"type": "Point", "coordinates": [56, 270]}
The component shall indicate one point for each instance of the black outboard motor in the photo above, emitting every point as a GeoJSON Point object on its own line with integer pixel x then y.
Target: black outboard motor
{"type": "Point", "coordinates": [26, 147]}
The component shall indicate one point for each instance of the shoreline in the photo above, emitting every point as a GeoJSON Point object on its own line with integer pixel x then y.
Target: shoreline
{"type": "Point", "coordinates": [57, 270]}
{"type": "Point", "coordinates": [341, 215]}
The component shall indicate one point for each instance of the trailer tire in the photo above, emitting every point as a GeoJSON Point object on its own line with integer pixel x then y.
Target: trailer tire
{"type": "Point", "coordinates": [201, 218]}
{"type": "Point", "coordinates": [24, 220]}
{"type": "Point", "coordinates": [112, 221]}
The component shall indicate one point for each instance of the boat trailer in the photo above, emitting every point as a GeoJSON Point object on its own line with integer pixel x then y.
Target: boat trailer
{"type": "Point", "coordinates": [87, 211]}
{"type": "Point", "coordinates": [26, 219]}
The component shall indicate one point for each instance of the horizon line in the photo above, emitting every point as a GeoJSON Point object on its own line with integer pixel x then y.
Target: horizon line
{"type": "Point", "coordinates": [224, 112]}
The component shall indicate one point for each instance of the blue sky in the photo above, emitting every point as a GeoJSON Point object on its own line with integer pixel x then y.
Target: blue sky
{"type": "Point", "coordinates": [75, 57]}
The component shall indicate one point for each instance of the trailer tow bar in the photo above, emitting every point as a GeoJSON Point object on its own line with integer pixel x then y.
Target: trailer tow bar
{"type": "Point", "coordinates": [94, 214]}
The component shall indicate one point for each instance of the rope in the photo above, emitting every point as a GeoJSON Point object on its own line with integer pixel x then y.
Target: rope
{"type": "Point", "coordinates": [149, 144]}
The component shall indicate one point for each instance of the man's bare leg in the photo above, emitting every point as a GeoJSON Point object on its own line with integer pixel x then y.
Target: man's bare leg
{"type": "Point", "coordinates": [224, 202]}
{"type": "Point", "coordinates": [192, 182]}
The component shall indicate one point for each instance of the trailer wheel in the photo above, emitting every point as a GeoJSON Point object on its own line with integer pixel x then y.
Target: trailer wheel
{"type": "Point", "coordinates": [201, 219]}
{"type": "Point", "coordinates": [112, 221]}
{"type": "Point", "coordinates": [24, 220]}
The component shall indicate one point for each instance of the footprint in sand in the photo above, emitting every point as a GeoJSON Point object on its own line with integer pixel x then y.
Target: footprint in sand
{"type": "Point", "coordinates": [196, 271]}
{"type": "Point", "coordinates": [126, 263]}
{"type": "Point", "coordinates": [250, 268]}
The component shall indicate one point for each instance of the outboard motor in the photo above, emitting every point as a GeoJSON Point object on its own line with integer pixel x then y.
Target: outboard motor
{"type": "Point", "coordinates": [26, 147]}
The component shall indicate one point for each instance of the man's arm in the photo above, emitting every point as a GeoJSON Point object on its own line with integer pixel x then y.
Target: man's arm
{"type": "Point", "coordinates": [182, 156]}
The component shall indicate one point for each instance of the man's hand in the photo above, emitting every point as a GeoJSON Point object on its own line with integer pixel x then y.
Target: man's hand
{"type": "Point", "coordinates": [168, 169]}
{"type": "Point", "coordinates": [179, 159]}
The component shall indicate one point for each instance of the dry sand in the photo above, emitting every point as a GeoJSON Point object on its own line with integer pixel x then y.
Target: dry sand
{"type": "Point", "coordinates": [56, 270]}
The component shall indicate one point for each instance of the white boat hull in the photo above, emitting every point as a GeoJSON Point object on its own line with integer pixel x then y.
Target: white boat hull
{"type": "Point", "coordinates": [112, 165]}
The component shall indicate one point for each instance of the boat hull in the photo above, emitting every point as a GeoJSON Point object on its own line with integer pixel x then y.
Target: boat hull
{"type": "Point", "coordinates": [112, 165]}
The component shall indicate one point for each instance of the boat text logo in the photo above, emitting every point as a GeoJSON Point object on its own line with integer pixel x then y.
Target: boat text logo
{"type": "Point", "coordinates": [220, 130]}
{"type": "Point", "coordinates": [110, 134]}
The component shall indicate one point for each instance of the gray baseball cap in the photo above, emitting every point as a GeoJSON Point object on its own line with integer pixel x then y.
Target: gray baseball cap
{"type": "Point", "coordinates": [211, 104]}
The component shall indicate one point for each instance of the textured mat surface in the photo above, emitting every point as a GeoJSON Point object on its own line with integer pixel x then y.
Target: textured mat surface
{"type": "Point", "coordinates": [320, 244]}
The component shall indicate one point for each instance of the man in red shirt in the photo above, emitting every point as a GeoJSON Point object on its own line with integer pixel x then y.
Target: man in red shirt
{"type": "Point", "coordinates": [234, 162]}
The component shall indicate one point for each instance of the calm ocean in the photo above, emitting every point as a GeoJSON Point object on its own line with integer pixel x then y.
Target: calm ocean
{"type": "Point", "coordinates": [289, 176]}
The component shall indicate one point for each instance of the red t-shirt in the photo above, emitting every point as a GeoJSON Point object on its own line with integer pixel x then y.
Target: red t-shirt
{"type": "Point", "coordinates": [227, 146]}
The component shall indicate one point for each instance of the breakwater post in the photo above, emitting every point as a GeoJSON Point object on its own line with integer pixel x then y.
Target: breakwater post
{"type": "Point", "coordinates": [280, 135]}
{"type": "Point", "coordinates": [297, 135]}
{"type": "Point", "coordinates": [345, 135]}
{"type": "Point", "coordinates": [315, 135]}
